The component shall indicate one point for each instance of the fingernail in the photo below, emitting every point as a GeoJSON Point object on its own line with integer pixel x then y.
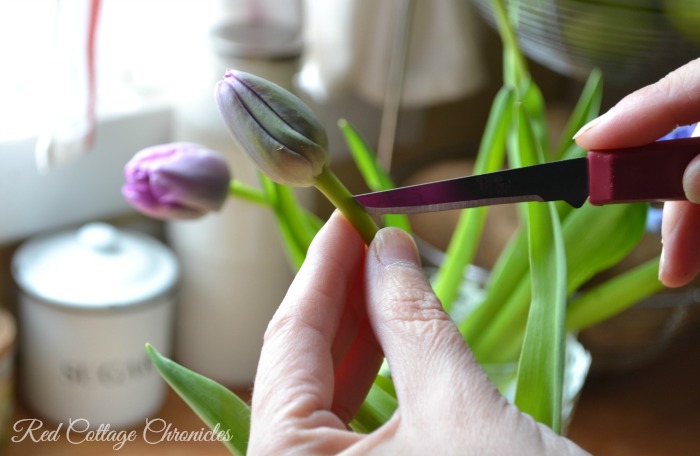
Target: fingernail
{"type": "Point", "coordinates": [590, 125]}
{"type": "Point", "coordinates": [662, 259]}
{"type": "Point", "coordinates": [394, 246]}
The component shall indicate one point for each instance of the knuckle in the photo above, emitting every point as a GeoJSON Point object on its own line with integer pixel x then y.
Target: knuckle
{"type": "Point", "coordinates": [415, 310]}
{"type": "Point", "coordinates": [279, 326]}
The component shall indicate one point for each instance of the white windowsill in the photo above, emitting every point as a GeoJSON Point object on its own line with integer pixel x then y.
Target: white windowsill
{"type": "Point", "coordinates": [87, 189]}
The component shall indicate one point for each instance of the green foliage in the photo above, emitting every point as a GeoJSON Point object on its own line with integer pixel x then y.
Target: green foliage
{"type": "Point", "coordinates": [585, 110]}
{"type": "Point", "coordinates": [522, 314]}
{"type": "Point", "coordinates": [218, 407]}
{"type": "Point", "coordinates": [613, 296]}
{"type": "Point", "coordinates": [541, 368]}
{"type": "Point", "coordinates": [464, 242]}
{"type": "Point", "coordinates": [377, 408]}
{"type": "Point", "coordinates": [375, 177]}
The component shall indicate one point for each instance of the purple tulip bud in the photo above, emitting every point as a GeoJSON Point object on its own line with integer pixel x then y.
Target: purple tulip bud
{"type": "Point", "coordinates": [176, 181]}
{"type": "Point", "coordinates": [274, 127]}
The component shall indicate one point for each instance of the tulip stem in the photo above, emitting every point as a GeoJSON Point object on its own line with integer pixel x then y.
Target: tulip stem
{"type": "Point", "coordinates": [329, 184]}
{"type": "Point", "coordinates": [247, 193]}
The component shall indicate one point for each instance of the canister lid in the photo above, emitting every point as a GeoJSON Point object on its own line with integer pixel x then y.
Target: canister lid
{"type": "Point", "coordinates": [97, 266]}
{"type": "Point", "coordinates": [257, 40]}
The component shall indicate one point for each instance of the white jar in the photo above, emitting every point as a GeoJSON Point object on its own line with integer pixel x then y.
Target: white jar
{"type": "Point", "coordinates": [235, 270]}
{"type": "Point", "coordinates": [89, 301]}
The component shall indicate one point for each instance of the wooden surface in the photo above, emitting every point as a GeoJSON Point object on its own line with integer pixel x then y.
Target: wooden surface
{"type": "Point", "coordinates": [653, 410]}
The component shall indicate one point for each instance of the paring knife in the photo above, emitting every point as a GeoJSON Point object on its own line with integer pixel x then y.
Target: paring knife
{"type": "Point", "coordinates": [653, 172]}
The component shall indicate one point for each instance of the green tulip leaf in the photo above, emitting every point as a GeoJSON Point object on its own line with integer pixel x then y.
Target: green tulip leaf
{"type": "Point", "coordinates": [613, 296]}
{"type": "Point", "coordinates": [595, 238]}
{"type": "Point", "coordinates": [541, 366]}
{"type": "Point", "coordinates": [219, 408]}
{"type": "Point", "coordinates": [586, 109]}
{"type": "Point", "coordinates": [465, 239]}
{"type": "Point", "coordinates": [374, 175]}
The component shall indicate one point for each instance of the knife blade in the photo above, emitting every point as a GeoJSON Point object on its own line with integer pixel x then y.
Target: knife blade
{"type": "Point", "coordinates": [653, 172]}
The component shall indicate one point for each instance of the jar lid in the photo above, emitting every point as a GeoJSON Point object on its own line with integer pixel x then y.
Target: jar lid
{"type": "Point", "coordinates": [97, 266]}
{"type": "Point", "coordinates": [257, 40]}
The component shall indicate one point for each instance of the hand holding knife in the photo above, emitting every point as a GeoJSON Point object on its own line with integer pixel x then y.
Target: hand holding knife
{"type": "Point", "coordinates": [649, 173]}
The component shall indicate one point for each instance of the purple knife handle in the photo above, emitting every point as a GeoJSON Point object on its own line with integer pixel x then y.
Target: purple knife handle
{"type": "Point", "coordinates": [648, 173]}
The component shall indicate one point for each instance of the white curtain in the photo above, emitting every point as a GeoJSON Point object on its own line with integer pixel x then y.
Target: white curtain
{"type": "Point", "coordinates": [69, 112]}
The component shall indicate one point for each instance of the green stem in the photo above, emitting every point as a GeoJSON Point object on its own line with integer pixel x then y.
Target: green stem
{"type": "Point", "coordinates": [245, 192]}
{"type": "Point", "coordinates": [374, 175]}
{"type": "Point", "coordinates": [329, 184]}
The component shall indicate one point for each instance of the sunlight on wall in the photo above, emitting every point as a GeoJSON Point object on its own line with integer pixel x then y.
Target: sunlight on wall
{"type": "Point", "coordinates": [146, 52]}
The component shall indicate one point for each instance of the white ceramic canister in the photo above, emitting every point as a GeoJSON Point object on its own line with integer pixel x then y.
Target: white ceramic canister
{"type": "Point", "coordinates": [89, 301]}
{"type": "Point", "coordinates": [235, 271]}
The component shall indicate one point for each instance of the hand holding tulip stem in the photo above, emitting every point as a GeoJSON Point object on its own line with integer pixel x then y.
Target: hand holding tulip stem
{"type": "Point", "coordinates": [351, 305]}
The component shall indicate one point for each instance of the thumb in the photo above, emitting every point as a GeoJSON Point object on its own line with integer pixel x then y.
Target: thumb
{"type": "Point", "coordinates": [431, 365]}
{"type": "Point", "coordinates": [438, 381]}
{"type": "Point", "coordinates": [691, 181]}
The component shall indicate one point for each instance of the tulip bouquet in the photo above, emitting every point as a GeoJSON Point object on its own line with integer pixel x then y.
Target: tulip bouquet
{"type": "Point", "coordinates": [533, 298]}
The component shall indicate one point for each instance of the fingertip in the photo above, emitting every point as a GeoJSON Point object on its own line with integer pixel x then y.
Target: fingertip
{"type": "Point", "coordinates": [607, 131]}
{"type": "Point", "coordinates": [672, 279]}
{"type": "Point", "coordinates": [666, 275]}
{"type": "Point", "coordinates": [680, 259]}
{"type": "Point", "coordinates": [691, 181]}
{"type": "Point", "coordinates": [395, 246]}
{"type": "Point", "coordinates": [581, 134]}
{"type": "Point", "coordinates": [647, 114]}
